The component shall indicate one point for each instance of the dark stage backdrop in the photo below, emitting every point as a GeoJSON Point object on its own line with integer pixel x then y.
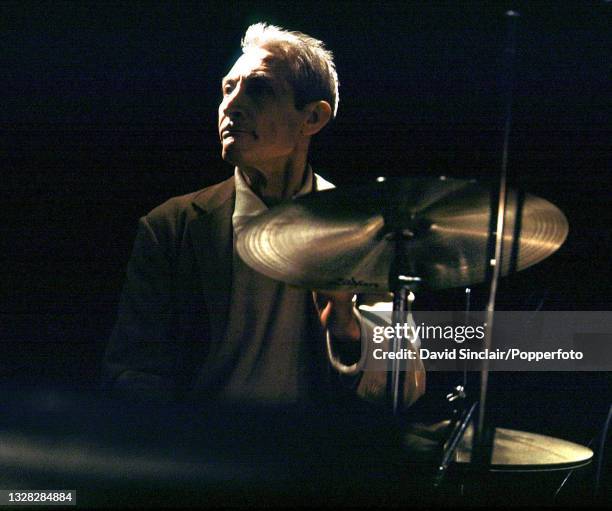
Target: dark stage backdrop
{"type": "Point", "coordinates": [109, 108]}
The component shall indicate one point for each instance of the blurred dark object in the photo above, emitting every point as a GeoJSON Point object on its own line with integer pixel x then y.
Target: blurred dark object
{"type": "Point", "coordinates": [120, 453]}
{"type": "Point", "coordinates": [117, 453]}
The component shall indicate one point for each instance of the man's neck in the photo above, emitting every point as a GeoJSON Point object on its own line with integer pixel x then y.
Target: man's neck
{"type": "Point", "coordinates": [275, 187]}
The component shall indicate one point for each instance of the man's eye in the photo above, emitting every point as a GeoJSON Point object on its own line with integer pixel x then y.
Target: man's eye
{"type": "Point", "coordinates": [259, 87]}
{"type": "Point", "coordinates": [227, 88]}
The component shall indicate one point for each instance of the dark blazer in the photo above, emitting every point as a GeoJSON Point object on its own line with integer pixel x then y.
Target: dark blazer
{"type": "Point", "coordinates": [175, 302]}
{"type": "Point", "coordinates": [176, 296]}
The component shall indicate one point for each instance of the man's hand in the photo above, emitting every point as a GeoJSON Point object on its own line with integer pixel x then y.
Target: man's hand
{"type": "Point", "coordinates": [336, 314]}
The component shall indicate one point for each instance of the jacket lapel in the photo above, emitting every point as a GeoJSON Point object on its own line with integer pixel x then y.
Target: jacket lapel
{"type": "Point", "coordinates": [213, 247]}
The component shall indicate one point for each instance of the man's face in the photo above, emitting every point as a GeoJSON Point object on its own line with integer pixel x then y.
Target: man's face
{"type": "Point", "coordinates": [259, 125]}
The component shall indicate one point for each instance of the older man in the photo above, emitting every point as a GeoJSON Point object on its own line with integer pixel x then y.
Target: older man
{"type": "Point", "coordinates": [194, 320]}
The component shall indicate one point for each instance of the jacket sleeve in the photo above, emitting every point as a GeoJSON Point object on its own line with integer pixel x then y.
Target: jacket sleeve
{"type": "Point", "coordinates": [142, 359]}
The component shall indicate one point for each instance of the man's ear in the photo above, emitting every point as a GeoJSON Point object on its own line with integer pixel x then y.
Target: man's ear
{"type": "Point", "coordinates": [319, 114]}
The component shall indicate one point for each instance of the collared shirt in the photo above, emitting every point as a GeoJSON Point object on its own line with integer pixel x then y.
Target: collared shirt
{"type": "Point", "coordinates": [273, 348]}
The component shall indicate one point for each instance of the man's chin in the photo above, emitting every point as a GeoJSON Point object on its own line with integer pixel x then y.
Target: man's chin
{"type": "Point", "coordinates": [231, 155]}
{"type": "Point", "coordinates": [234, 156]}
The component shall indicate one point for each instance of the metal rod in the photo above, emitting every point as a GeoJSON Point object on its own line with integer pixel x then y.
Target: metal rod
{"type": "Point", "coordinates": [400, 298]}
{"type": "Point", "coordinates": [455, 438]}
{"type": "Point", "coordinates": [468, 295]}
{"type": "Point", "coordinates": [484, 453]}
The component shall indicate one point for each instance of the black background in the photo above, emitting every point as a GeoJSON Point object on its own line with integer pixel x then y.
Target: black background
{"type": "Point", "coordinates": [109, 108]}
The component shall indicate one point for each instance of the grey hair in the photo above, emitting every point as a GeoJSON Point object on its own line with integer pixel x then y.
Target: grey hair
{"type": "Point", "coordinates": [312, 72]}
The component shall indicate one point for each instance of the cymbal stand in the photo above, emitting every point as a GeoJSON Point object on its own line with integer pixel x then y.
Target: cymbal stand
{"type": "Point", "coordinates": [463, 417]}
{"type": "Point", "coordinates": [462, 414]}
{"type": "Point", "coordinates": [401, 285]}
{"type": "Point", "coordinates": [483, 440]}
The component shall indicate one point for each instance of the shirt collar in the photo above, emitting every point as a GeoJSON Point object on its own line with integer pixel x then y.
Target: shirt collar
{"type": "Point", "coordinates": [248, 204]}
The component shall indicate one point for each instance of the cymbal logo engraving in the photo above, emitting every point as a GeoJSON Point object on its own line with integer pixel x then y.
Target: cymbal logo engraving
{"type": "Point", "coordinates": [340, 281]}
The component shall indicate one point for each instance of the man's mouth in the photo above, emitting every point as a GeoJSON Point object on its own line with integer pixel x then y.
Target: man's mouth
{"type": "Point", "coordinates": [226, 133]}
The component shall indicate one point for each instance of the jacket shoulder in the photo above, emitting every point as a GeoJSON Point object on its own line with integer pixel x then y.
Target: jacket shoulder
{"type": "Point", "coordinates": [191, 204]}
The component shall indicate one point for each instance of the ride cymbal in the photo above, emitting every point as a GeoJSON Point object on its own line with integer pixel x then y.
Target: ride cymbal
{"type": "Point", "coordinates": [343, 239]}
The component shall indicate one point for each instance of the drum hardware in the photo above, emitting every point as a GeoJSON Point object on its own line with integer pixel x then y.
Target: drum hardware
{"type": "Point", "coordinates": [458, 393]}
{"type": "Point", "coordinates": [463, 418]}
{"type": "Point", "coordinates": [398, 235]}
{"type": "Point", "coordinates": [402, 286]}
{"type": "Point", "coordinates": [601, 453]}
{"type": "Point", "coordinates": [484, 434]}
